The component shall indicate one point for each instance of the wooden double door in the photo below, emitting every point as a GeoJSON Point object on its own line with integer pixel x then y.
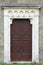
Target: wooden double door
{"type": "Point", "coordinates": [21, 40]}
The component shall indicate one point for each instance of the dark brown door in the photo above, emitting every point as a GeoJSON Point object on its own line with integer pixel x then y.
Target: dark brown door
{"type": "Point", "coordinates": [21, 40]}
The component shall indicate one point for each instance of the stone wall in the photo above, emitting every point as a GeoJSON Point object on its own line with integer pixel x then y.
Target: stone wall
{"type": "Point", "coordinates": [1, 35]}
{"type": "Point", "coordinates": [41, 34]}
{"type": "Point", "coordinates": [13, 2]}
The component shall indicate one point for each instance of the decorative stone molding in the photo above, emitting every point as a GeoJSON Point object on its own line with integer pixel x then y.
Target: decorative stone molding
{"type": "Point", "coordinates": [21, 13]}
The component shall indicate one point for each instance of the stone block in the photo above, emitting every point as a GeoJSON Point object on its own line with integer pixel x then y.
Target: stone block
{"type": "Point", "coordinates": [12, 2]}
{"type": "Point", "coordinates": [41, 44]}
{"type": "Point", "coordinates": [1, 39]}
{"type": "Point", "coordinates": [1, 52]}
{"type": "Point", "coordinates": [23, 2]}
{"type": "Point", "coordinates": [41, 54]}
{"type": "Point", "coordinates": [4, 2]}
{"type": "Point", "coordinates": [30, 2]}
{"type": "Point", "coordinates": [38, 2]}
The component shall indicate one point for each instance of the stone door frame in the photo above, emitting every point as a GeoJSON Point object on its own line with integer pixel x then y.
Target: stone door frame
{"type": "Point", "coordinates": [21, 13]}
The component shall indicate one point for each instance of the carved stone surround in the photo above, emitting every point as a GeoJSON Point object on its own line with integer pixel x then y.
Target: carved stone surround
{"type": "Point", "coordinates": [33, 15]}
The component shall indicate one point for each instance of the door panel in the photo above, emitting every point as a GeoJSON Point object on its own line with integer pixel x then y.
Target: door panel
{"type": "Point", "coordinates": [21, 40]}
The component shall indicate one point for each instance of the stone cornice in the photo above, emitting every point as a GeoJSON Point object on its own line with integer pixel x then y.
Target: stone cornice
{"type": "Point", "coordinates": [21, 6]}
